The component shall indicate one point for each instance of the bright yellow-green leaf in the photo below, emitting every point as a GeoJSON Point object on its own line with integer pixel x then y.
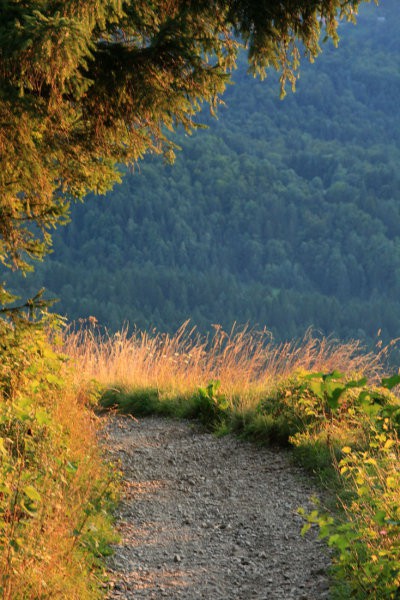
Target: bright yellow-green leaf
{"type": "Point", "coordinates": [53, 379]}
{"type": "Point", "coordinates": [32, 493]}
{"type": "Point", "coordinates": [42, 417]}
{"type": "Point", "coordinates": [389, 444]}
{"type": "Point", "coordinates": [363, 490]}
{"type": "Point", "coordinates": [3, 449]}
{"type": "Point", "coordinates": [30, 510]}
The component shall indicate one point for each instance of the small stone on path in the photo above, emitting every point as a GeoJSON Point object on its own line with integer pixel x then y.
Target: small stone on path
{"type": "Point", "coordinates": [209, 518]}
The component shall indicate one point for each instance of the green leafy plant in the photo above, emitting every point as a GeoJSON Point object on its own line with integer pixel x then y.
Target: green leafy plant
{"type": "Point", "coordinates": [211, 406]}
{"type": "Point", "coordinates": [366, 534]}
{"type": "Point", "coordinates": [343, 429]}
{"type": "Point", "coordinates": [366, 537]}
{"type": "Point", "coordinates": [52, 479]}
{"type": "Point", "coordinates": [329, 388]}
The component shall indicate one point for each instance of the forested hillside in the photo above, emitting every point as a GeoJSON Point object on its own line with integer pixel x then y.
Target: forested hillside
{"type": "Point", "coordinates": [283, 214]}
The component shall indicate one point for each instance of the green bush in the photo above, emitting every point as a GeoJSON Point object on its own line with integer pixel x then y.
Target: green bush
{"type": "Point", "coordinates": [55, 492]}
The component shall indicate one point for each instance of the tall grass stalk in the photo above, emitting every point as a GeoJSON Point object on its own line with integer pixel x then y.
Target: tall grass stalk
{"type": "Point", "coordinates": [245, 361]}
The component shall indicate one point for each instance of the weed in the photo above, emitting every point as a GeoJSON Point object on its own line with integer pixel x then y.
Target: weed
{"type": "Point", "coordinates": [210, 405]}
{"type": "Point", "coordinates": [55, 490]}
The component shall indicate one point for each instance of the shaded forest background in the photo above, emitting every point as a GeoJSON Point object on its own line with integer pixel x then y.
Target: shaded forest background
{"type": "Point", "coordinates": [283, 214]}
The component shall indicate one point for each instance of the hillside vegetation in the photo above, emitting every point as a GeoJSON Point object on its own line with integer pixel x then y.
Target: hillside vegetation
{"type": "Point", "coordinates": [56, 492]}
{"type": "Point", "coordinates": [284, 214]}
{"type": "Point", "coordinates": [328, 401]}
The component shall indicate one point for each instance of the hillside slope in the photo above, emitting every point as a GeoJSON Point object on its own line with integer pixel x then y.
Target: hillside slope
{"type": "Point", "coordinates": [285, 214]}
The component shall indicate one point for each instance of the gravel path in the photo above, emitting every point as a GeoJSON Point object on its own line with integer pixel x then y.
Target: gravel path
{"type": "Point", "coordinates": [209, 518]}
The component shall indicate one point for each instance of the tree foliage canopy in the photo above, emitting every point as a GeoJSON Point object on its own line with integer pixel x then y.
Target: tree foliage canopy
{"type": "Point", "coordinates": [85, 85]}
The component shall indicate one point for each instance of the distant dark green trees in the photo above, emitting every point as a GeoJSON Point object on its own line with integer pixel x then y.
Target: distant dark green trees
{"type": "Point", "coordinates": [283, 214]}
{"type": "Point", "coordinates": [286, 214]}
{"type": "Point", "coordinates": [87, 85]}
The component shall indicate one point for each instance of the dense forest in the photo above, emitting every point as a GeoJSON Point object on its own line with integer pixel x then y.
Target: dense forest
{"type": "Point", "coordinates": [282, 213]}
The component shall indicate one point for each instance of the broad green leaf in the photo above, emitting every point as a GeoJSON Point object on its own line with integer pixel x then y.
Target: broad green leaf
{"type": "Point", "coordinates": [371, 409]}
{"type": "Point", "coordinates": [356, 383]}
{"type": "Point", "coordinates": [30, 510]}
{"type": "Point", "coordinates": [317, 387]}
{"type": "Point", "coordinates": [334, 539]}
{"type": "Point", "coordinates": [360, 479]}
{"type": "Point", "coordinates": [391, 482]}
{"type": "Point", "coordinates": [32, 493]}
{"type": "Point", "coordinates": [312, 376]}
{"type": "Point", "coordinates": [334, 391]}
{"type": "Point", "coordinates": [42, 417]}
{"type": "Point", "coordinates": [380, 517]}
{"type": "Point", "coordinates": [389, 444]}
{"type": "Point", "coordinates": [334, 375]}
{"type": "Point", "coordinates": [53, 379]}
{"type": "Point", "coordinates": [364, 398]}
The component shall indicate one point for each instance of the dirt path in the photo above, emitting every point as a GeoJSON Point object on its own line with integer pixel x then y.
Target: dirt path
{"type": "Point", "coordinates": [209, 518]}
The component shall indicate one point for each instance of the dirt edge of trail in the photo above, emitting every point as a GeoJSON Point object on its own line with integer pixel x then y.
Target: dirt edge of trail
{"type": "Point", "coordinates": [211, 518]}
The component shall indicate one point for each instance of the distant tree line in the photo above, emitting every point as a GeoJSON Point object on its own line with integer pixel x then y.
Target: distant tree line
{"type": "Point", "coordinates": [282, 214]}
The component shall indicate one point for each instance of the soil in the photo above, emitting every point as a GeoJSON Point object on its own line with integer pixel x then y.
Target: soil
{"type": "Point", "coordinates": [211, 518]}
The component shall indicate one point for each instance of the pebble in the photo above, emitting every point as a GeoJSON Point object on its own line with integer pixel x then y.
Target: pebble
{"type": "Point", "coordinates": [229, 507]}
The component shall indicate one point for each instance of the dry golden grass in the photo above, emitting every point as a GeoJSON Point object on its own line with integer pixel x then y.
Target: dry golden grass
{"type": "Point", "coordinates": [245, 361]}
{"type": "Point", "coordinates": [69, 474]}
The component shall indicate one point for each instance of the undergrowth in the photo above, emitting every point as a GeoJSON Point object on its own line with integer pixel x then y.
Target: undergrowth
{"type": "Point", "coordinates": [347, 433]}
{"type": "Point", "coordinates": [343, 425]}
{"type": "Point", "coordinates": [56, 492]}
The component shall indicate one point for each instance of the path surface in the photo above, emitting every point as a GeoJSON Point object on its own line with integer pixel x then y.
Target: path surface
{"type": "Point", "coordinates": [209, 518]}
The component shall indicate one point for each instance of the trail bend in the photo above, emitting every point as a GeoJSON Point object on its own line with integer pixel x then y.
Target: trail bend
{"type": "Point", "coordinates": [209, 518]}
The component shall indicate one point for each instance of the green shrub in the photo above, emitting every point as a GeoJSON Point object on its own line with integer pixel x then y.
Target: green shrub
{"type": "Point", "coordinates": [366, 535]}
{"type": "Point", "coordinates": [210, 406]}
{"type": "Point", "coordinates": [55, 491]}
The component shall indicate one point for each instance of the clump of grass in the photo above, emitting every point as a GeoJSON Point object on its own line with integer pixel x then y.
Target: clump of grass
{"type": "Point", "coordinates": [206, 405]}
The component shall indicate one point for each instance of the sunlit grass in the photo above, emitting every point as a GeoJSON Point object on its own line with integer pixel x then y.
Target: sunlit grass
{"type": "Point", "coordinates": [243, 382]}
{"type": "Point", "coordinates": [55, 489]}
{"type": "Point", "coordinates": [245, 361]}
